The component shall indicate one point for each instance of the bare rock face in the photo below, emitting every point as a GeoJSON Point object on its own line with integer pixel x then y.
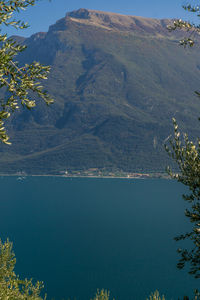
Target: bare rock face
{"type": "Point", "coordinates": [81, 13]}
{"type": "Point", "coordinates": [117, 22]}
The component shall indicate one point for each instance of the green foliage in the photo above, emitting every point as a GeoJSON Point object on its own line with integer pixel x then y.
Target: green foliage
{"type": "Point", "coordinates": [187, 156]}
{"type": "Point", "coordinates": [102, 295]}
{"type": "Point", "coordinates": [187, 26]}
{"type": "Point", "coordinates": [21, 83]}
{"type": "Point", "coordinates": [155, 296]}
{"type": "Point", "coordinates": [11, 286]}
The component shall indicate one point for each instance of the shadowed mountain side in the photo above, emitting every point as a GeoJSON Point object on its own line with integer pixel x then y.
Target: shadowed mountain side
{"type": "Point", "coordinates": [117, 82]}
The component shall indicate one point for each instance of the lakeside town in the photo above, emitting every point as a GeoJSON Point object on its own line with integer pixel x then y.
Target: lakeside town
{"type": "Point", "coordinates": [98, 173]}
{"type": "Point", "coordinates": [95, 173]}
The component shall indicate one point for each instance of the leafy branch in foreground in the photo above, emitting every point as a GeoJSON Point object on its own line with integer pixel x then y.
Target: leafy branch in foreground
{"type": "Point", "coordinates": [21, 84]}
{"type": "Point", "coordinates": [155, 296]}
{"type": "Point", "coordinates": [102, 295]}
{"type": "Point", "coordinates": [11, 287]}
{"type": "Point", "coordinates": [187, 156]}
{"type": "Point", "coordinates": [187, 26]}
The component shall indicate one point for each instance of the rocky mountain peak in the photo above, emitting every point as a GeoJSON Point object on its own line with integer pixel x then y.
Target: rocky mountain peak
{"type": "Point", "coordinates": [115, 21]}
{"type": "Point", "coordinates": [81, 13]}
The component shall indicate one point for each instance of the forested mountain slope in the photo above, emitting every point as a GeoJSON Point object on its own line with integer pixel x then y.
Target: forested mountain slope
{"type": "Point", "coordinates": [117, 81]}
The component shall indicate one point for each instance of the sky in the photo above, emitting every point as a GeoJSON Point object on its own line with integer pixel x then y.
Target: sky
{"type": "Point", "coordinates": [46, 13]}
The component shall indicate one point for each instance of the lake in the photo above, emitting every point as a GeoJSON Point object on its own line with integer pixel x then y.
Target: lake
{"type": "Point", "coordinates": [80, 234]}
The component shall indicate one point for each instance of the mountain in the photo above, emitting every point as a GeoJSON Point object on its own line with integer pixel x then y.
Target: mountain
{"type": "Point", "coordinates": [117, 81]}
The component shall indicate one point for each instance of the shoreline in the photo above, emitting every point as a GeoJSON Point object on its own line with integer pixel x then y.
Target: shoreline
{"type": "Point", "coordinates": [150, 176]}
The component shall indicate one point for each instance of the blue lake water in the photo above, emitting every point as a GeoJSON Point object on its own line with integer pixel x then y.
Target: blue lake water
{"type": "Point", "coordinates": [78, 235]}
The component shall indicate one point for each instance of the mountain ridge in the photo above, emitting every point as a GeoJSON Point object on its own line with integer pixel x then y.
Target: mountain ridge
{"type": "Point", "coordinates": [115, 93]}
{"type": "Point", "coordinates": [113, 21]}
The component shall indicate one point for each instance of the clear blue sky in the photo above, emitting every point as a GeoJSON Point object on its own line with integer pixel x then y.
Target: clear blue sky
{"type": "Point", "coordinates": [46, 13]}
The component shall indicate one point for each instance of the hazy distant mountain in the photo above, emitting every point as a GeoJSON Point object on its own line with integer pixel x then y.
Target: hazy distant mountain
{"type": "Point", "coordinates": [117, 81]}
